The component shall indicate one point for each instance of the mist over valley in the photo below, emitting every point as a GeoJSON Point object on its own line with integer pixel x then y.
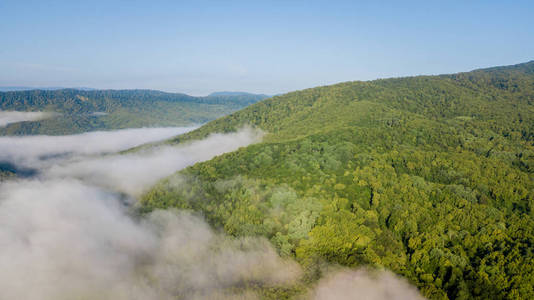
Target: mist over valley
{"type": "Point", "coordinates": [74, 221]}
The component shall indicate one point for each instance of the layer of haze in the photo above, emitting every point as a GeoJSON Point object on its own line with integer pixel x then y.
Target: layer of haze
{"type": "Point", "coordinates": [133, 173]}
{"type": "Point", "coordinates": [67, 232]}
{"type": "Point", "coordinates": [8, 117]}
{"type": "Point", "coordinates": [271, 47]}
{"type": "Point", "coordinates": [63, 237]}
{"type": "Point", "coordinates": [40, 150]}
{"type": "Point", "coordinates": [364, 285]}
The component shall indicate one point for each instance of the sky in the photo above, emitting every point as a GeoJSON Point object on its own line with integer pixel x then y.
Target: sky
{"type": "Point", "coordinates": [271, 47]}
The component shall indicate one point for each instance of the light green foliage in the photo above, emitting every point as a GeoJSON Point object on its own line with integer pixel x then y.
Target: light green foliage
{"type": "Point", "coordinates": [431, 177]}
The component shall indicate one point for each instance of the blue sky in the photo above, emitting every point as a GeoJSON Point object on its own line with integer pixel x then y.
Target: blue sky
{"type": "Point", "coordinates": [198, 47]}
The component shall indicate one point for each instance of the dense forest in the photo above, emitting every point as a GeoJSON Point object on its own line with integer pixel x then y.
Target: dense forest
{"type": "Point", "coordinates": [431, 177]}
{"type": "Point", "coordinates": [85, 110]}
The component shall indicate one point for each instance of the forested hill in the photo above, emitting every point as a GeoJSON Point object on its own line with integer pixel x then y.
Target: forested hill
{"type": "Point", "coordinates": [84, 110]}
{"type": "Point", "coordinates": [502, 92]}
{"type": "Point", "coordinates": [431, 177]}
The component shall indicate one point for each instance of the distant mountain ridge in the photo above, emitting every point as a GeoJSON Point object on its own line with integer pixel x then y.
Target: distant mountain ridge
{"type": "Point", "coordinates": [51, 88]}
{"type": "Point", "coordinates": [228, 93]}
{"type": "Point", "coordinates": [81, 110]}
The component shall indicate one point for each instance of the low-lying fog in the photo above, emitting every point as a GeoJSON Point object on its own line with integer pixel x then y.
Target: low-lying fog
{"type": "Point", "coordinates": [66, 234]}
{"type": "Point", "coordinates": [8, 117]}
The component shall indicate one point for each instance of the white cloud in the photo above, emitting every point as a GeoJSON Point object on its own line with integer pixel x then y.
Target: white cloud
{"type": "Point", "coordinates": [29, 151]}
{"type": "Point", "coordinates": [8, 117]}
{"type": "Point", "coordinates": [134, 173]}
{"type": "Point", "coordinates": [64, 239]}
{"type": "Point", "coordinates": [364, 285]}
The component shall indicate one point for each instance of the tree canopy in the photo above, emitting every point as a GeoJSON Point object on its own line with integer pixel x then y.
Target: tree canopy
{"type": "Point", "coordinates": [431, 177]}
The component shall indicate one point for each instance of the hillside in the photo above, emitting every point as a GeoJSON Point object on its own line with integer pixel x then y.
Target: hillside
{"type": "Point", "coordinates": [86, 110]}
{"type": "Point", "coordinates": [431, 177]}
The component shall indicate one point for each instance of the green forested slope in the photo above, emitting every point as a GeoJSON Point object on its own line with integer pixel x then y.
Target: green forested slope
{"type": "Point", "coordinates": [430, 176]}
{"type": "Point", "coordinates": [81, 110]}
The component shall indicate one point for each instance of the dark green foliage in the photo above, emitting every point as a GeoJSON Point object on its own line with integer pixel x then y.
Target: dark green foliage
{"type": "Point", "coordinates": [431, 177]}
{"type": "Point", "coordinates": [115, 109]}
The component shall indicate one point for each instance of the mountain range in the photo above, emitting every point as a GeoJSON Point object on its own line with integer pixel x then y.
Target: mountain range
{"type": "Point", "coordinates": [78, 111]}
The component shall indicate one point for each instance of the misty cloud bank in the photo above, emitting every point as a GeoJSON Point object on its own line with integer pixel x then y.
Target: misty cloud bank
{"type": "Point", "coordinates": [39, 151]}
{"type": "Point", "coordinates": [67, 233]}
{"type": "Point", "coordinates": [8, 117]}
{"type": "Point", "coordinates": [134, 173]}
{"type": "Point", "coordinates": [365, 285]}
{"type": "Point", "coordinates": [63, 239]}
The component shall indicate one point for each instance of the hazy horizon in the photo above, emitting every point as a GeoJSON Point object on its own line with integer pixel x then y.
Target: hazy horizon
{"type": "Point", "coordinates": [85, 88]}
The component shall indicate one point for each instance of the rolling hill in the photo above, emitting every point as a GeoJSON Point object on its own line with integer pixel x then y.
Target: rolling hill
{"type": "Point", "coordinates": [431, 177]}
{"type": "Point", "coordinates": [86, 110]}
